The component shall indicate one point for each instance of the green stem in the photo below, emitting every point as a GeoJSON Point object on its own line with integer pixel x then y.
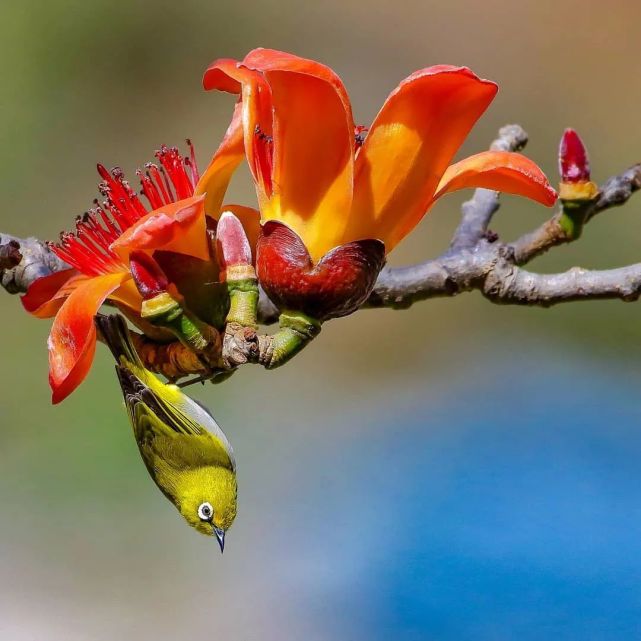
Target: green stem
{"type": "Point", "coordinates": [296, 331]}
{"type": "Point", "coordinates": [243, 302]}
{"type": "Point", "coordinates": [165, 311]}
{"type": "Point", "coordinates": [573, 217]}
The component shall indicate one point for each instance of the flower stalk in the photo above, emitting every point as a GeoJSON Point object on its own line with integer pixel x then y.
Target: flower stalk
{"type": "Point", "coordinates": [296, 331]}
{"type": "Point", "coordinates": [162, 306]}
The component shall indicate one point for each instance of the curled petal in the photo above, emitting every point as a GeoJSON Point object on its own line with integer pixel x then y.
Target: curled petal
{"type": "Point", "coordinates": [215, 180]}
{"type": "Point", "coordinates": [409, 146]}
{"type": "Point", "coordinates": [253, 112]}
{"type": "Point", "coordinates": [72, 341]}
{"type": "Point", "coordinates": [179, 227]}
{"type": "Point", "coordinates": [273, 60]}
{"type": "Point", "coordinates": [504, 171]}
{"type": "Point", "coordinates": [46, 295]}
{"type": "Point", "coordinates": [298, 138]}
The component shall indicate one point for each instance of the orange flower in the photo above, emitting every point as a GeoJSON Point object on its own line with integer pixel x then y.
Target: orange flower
{"type": "Point", "coordinates": [99, 250]}
{"type": "Point", "coordinates": [325, 187]}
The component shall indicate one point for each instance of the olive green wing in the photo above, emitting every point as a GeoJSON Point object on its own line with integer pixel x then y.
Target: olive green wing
{"type": "Point", "coordinates": [165, 431]}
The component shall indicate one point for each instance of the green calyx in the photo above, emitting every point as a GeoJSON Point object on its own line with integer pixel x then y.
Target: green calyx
{"type": "Point", "coordinates": [165, 311]}
{"type": "Point", "coordinates": [576, 199]}
{"type": "Point", "coordinates": [296, 331]}
{"type": "Point", "coordinates": [243, 302]}
{"type": "Point", "coordinates": [573, 217]}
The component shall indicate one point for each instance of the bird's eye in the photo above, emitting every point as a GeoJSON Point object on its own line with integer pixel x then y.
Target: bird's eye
{"type": "Point", "coordinates": [205, 511]}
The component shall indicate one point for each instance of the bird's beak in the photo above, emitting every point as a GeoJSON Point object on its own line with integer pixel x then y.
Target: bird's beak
{"type": "Point", "coordinates": [220, 535]}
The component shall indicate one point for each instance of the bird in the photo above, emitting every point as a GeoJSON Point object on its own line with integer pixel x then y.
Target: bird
{"type": "Point", "coordinates": [184, 450]}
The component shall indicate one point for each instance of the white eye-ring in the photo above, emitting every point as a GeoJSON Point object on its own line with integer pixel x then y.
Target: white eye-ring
{"type": "Point", "coordinates": [205, 511]}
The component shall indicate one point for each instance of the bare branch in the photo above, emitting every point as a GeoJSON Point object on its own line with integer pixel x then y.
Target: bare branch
{"type": "Point", "coordinates": [510, 284]}
{"type": "Point", "coordinates": [617, 190]}
{"type": "Point", "coordinates": [478, 212]}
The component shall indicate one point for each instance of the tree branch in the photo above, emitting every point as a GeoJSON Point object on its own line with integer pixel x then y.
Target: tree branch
{"type": "Point", "coordinates": [475, 260]}
{"type": "Point", "coordinates": [478, 212]}
{"type": "Point", "coordinates": [614, 192]}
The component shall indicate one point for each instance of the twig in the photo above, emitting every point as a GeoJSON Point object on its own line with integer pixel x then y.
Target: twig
{"type": "Point", "coordinates": [614, 192]}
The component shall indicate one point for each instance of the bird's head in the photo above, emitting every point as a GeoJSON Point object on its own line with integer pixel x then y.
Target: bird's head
{"type": "Point", "coordinates": [206, 497]}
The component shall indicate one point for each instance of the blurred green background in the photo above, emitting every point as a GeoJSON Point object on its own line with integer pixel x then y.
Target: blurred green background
{"type": "Point", "coordinates": [480, 483]}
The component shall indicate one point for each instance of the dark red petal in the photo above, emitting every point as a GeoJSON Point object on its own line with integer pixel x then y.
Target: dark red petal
{"type": "Point", "coordinates": [147, 274]}
{"type": "Point", "coordinates": [335, 286]}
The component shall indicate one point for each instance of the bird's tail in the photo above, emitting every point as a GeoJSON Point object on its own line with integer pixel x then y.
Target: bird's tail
{"type": "Point", "coordinates": [116, 335]}
{"type": "Point", "coordinates": [132, 374]}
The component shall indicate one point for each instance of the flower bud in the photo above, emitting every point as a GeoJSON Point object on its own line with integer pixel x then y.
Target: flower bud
{"type": "Point", "coordinates": [574, 164]}
{"type": "Point", "coordinates": [233, 251]}
{"type": "Point", "coordinates": [150, 279]}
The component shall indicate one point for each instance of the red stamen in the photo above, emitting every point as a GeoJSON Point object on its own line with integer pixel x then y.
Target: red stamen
{"type": "Point", "coordinates": [158, 182]}
{"type": "Point", "coordinates": [109, 223]}
{"type": "Point", "coordinates": [192, 174]}
{"type": "Point", "coordinates": [88, 250]}
{"type": "Point", "coordinates": [149, 190]}
{"type": "Point", "coordinates": [171, 162]}
{"type": "Point", "coordinates": [192, 161]}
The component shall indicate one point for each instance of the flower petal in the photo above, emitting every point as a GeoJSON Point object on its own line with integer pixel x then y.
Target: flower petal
{"type": "Point", "coordinates": [410, 144]}
{"type": "Point", "coordinates": [299, 141]}
{"type": "Point", "coordinates": [271, 59]}
{"type": "Point", "coordinates": [504, 171]}
{"type": "Point", "coordinates": [46, 295]}
{"type": "Point", "coordinates": [313, 159]}
{"type": "Point", "coordinates": [179, 227]}
{"type": "Point", "coordinates": [253, 112]}
{"type": "Point", "coordinates": [215, 180]}
{"type": "Point", "coordinates": [72, 341]}
{"type": "Point", "coordinates": [128, 295]}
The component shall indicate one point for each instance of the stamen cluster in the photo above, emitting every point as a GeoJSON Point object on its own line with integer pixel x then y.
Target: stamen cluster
{"type": "Point", "coordinates": [88, 249]}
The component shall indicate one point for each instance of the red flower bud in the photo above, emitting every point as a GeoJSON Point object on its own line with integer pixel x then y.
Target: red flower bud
{"type": "Point", "coordinates": [574, 164]}
{"type": "Point", "coordinates": [232, 246]}
{"type": "Point", "coordinates": [150, 279]}
{"type": "Point", "coordinates": [335, 286]}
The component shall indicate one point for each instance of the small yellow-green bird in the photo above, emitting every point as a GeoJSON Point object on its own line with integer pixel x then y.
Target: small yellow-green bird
{"type": "Point", "coordinates": [185, 451]}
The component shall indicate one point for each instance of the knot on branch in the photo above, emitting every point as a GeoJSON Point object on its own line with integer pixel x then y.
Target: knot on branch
{"type": "Point", "coordinates": [23, 261]}
{"type": "Point", "coordinates": [10, 255]}
{"type": "Point", "coordinates": [240, 345]}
